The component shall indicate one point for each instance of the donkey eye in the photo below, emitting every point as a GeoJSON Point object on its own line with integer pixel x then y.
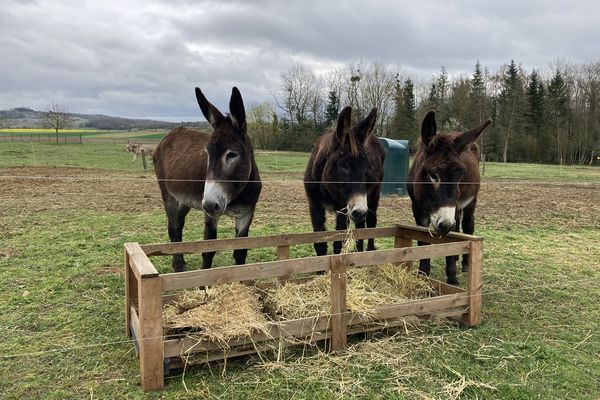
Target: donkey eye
{"type": "Point", "coordinates": [433, 178]}
{"type": "Point", "coordinates": [230, 156]}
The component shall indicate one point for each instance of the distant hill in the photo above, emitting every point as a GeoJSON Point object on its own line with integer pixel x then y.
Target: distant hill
{"type": "Point", "coordinates": [23, 117]}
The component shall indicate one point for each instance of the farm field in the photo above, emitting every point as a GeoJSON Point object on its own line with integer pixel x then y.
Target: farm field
{"type": "Point", "coordinates": [67, 210]}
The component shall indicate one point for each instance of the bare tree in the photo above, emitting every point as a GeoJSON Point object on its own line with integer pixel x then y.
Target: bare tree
{"type": "Point", "coordinates": [299, 95]}
{"type": "Point", "coordinates": [259, 118]}
{"type": "Point", "coordinates": [56, 117]}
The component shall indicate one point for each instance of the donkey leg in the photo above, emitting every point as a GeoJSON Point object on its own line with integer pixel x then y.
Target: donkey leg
{"type": "Point", "coordinates": [451, 260]}
{"type": "Point", "coordinates": [242, 227]}
{"type": "Point", "coordinates": [359, 242]}
{"type": "Point", "coordinates": [317, 218]}
{"type": "Point", "coordinates": [176, 214]}
{"type": "Point", "coordinates": [468, 227]}
{"type": "Point", "coordinates": [341, 223]}
{"type": "Point", "coordinates": [210, 232]}
{"type": "Point", "coordinates": [373, 203]}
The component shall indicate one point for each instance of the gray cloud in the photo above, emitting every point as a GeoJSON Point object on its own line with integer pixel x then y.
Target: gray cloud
{"type": "Point", "coordinates": [143, 58]}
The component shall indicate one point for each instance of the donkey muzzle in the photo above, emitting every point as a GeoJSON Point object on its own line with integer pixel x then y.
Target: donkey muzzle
{"type": "Point", "coordinates": [214, 201]}
{"type": "Point", "coordinates": [443, 220]}
{"type": "Point", "coordinates": [357, 207]}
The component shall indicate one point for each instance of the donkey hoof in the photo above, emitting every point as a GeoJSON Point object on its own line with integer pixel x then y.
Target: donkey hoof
{"type": "Point", "coordinates": [453, 281]}
{"type": "Point", "coordinates": [465, 268]}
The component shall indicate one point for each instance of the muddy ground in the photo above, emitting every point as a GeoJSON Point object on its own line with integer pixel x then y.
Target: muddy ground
{"type": "Point", "coordinates": [34, 189]}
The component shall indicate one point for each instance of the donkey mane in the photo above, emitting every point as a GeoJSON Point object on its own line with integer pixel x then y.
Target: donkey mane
{"type": "Point", "coordinates": [327, 144]}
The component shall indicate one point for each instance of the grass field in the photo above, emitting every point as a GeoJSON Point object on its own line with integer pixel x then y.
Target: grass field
{"type": "Point", "coordinates": [67, 210]}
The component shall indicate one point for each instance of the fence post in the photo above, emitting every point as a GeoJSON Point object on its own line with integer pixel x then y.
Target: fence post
{"type": "Point", "coordinates": [339, 326]}
{"type": "Point", "coordinates": [475, 284]}
{"type": "Point", "coordinates": [144, 160]}
{"type": "Point", "coordinates": [80, 140]}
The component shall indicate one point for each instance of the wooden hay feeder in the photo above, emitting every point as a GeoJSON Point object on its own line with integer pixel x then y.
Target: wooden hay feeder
{"type": "Point", "coordinates": [145, 292]}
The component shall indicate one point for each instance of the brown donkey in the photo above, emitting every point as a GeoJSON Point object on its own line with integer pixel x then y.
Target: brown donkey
{"type": "Point", "coordinates": [443, 183]}
{"type": "Point", "coordinates": [216, 173]}
{"type": "Point", "coordinates": [344, 175]}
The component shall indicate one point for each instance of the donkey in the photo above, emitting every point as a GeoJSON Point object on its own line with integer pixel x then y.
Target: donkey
{"type": "Point", "coordinates": [139, 149]}
{"type": "Point", "coordinates": [216, 173]}
{"type": "Point", "coordinates": [443, 183]}
{"type": "Point", "coordinates": [344, 175]}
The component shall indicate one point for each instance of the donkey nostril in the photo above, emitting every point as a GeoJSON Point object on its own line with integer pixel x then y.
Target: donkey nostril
{"type": "Point", "coordinates": [358, 215]}
{"type": "Point", "coordinates": [445, 227]}
{"type": "Point", "coordinates": [210, 206]}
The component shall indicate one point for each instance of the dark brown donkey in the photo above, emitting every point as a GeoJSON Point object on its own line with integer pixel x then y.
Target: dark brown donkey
{"type": "Point", "coordinates": [443, 183]}
{"type": "Point", "coordinates": [216, 173]}
{"type": "Point", "coordinates": [344, 175]}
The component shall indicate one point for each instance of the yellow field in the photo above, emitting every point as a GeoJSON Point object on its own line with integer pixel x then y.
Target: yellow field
{"type": "Point", "coordinates": [44, 130]}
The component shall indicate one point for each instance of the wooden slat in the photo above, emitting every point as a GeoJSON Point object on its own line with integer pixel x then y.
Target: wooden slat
{"type": "Point", "coordinates": [285, 239]}
{"type": "Point", "coordinates": [283, 253]}
{"type": "Point", "coordinates": [442, 287]}
{"type": "Point", "coordinates": [150, 334]}
{"type": "Point", "coordinates": [139, 262]}
{"type": "Point", "coordinates": [135, 321]}
{"type": "Point", "coordinates": [338, 304]}
{"type": "Point", "coordinates": [271, 269]}
{"type": "Point", "coordinates": [422, 234]}
{"type": "Point", "coordinates": [310, 326]}
{"type": "Point", "coordinates": [127, 296]}
{"type": "Point", "coordinates": [298, 328]}
{"type": "Point", "coordinates": [190, 279]}
{"type": "Point", "coordinates": [399, 242]}
{"type": "Point", "coordinates": [475, 284]}
{"type": "Point", "coordinates": [178, 362]}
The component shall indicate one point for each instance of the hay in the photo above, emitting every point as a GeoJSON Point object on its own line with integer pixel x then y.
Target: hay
{"type": "Point", "coordinates": [233, 311]}
{"type": "Point", "coordinates": [222, 313]}
{"type": "Point", "coordinates": [367, 289]}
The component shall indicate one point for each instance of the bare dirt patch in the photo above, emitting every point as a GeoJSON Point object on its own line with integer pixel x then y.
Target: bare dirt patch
{"type": "Point", "coordinates": [31, 189]}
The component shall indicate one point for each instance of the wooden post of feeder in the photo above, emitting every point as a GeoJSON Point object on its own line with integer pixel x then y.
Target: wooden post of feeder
{"type": "Point", "coordinates": [475, 284]}
{"type": "Point", "coordinates": [283, 253]}
{"type": "Point", "coordinates": [150, 332]}
{"type": "Point", "coordinates": [401, 241]}
{"type": "Point", "coordinates": [338, 304]}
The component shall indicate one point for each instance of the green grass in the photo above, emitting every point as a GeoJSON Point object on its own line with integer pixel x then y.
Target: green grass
{"type": "Point", "coordinates": [62, 323]}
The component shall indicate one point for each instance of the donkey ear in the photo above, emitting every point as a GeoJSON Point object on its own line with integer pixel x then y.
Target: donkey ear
{"type": "Point", "coordinates": [343, 124]}
{"type": "Point", "coordinates": [428, 128]}
{"type": "Point", "coordinates": [364, 128]}
{"type": "Point", "coordinates": [210, 112]}
{"type": "Point", "coordinates": [236, 110]}
{"type": "Point", "coordinates": [468, 137]}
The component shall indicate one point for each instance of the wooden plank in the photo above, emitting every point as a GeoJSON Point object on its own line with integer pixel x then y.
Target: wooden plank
{"type": "Point", "coordinates": [247, 272]}
{"type": "Point", "coordinates": [338, 304]}
{"type": "Point", "coordinates": [475, 284]}
{"type": "Point", "coordinates": [399, 242]}
{"type": "Point", "coordinates": [413, 307]}
{"type": "Point", "coordinates": [249, 348]}
{"type": "Point", "coordinates": [127, 296]}
{"type": "Point", "coordinates": [150, 334]}
{"type": "Point", "coordinates": [191, 279]}
{"type": "Point", "coordinates": [139, 262]}
{"type": "Point", "coordinates": [421, 233]}
{"type": "Point", "coordinates": [298, 328]}
{"type": "Point", "coordinates": [283, 253]}
{"type": "Point", "coordinates": [285, 239]}
{"type": "Point", "coordinates": [310, 326]}
{"type": "Point", "coordinates": [442, 287]}
{"type": "Point", "coordinates": [135, 320]}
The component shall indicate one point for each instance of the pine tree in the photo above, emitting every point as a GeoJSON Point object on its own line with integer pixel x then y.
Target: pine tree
{"type": "Point", "coordinates": [534, 116]}
{"type": "Point", "coordinates": [558, 110]}
{"type": "Point", "coordinates": [510, 107]}
{"type": "Point", "coordinates": [332, 108]}
{"type": "Point", "coordinates": [409, 123]}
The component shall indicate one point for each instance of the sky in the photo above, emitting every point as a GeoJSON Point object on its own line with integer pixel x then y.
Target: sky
{"type": "Point", "coordinates": [143, 58]}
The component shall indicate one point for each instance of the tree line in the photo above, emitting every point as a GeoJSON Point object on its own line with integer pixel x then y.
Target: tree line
{"type": "Point", "coordinates": [549, 116]}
